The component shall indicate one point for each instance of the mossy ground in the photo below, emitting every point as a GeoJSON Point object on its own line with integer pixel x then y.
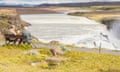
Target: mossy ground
{"type": "Point", "coordinates": [12, 59]}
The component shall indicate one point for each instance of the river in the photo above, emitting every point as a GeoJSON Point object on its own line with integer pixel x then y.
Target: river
{"type": "Point", "coordinates": [66, 29]}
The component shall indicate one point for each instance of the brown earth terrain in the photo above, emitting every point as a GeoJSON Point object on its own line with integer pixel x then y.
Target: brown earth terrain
{"type": "Point", "coordinates": [42, 10]}
{"type": "Point", "coordinates": [30, 10]}
{"type": "Point", "coordinates": [34, 11]}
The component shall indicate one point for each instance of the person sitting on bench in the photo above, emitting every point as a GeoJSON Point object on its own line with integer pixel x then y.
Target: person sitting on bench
{"type": "Point", "coordinates": [27, 35]}
{"type": "Point", "coordinates": [13, 35]}
{"type": "Point", "coordinates": [12, 30]}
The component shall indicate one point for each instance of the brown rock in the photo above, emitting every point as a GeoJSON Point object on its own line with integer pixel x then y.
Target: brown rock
{"type": "Point", "coordinates": [55, 60]}
{"type": "Point", "coordinates": [38, 63]}
{"type": "Point", "coordinates": [54, 43]}
{"type": "Point", "coordinates": [57, 51]}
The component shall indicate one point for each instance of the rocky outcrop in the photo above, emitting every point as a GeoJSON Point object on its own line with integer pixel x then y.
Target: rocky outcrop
{"type": "Point", "coordinates": [109, 21]}
{"type": "Point", "coordinates": [10, 17]}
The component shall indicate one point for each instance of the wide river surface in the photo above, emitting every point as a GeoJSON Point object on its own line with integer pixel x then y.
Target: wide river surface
{"type": "Point", "coordinates": [64, 28]}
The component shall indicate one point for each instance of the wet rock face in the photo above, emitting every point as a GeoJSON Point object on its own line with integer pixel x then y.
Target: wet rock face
{"type": "Point", "coordinates": [113, 26]}
{"type": "Point", "coordinates": [107, 22]}
{"type": "Point", "coordinates": [110, 22]}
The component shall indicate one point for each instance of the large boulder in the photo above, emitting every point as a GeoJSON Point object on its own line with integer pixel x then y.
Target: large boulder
{"type": "Point", "coordinates": [32, 52]}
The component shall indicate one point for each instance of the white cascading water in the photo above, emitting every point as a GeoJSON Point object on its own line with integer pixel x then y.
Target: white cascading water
{"type": "Point", "coordinates": [73, 30]}
{"type": "Point", "coordinates": [114, 33]}
{"type": "Point", "coordinates": [109, 39]}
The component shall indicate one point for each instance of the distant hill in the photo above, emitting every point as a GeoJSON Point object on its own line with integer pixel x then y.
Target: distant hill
{"type": "Point", "coordinates": [85, 4]}
{"type": "Point", "coordinates": [81, 4]}
{"type": "Point", "coordinates": [16, 5]}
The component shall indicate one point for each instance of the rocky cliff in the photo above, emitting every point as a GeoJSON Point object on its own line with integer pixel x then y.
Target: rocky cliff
{"type": "Point", "coordinates": [9, 16]}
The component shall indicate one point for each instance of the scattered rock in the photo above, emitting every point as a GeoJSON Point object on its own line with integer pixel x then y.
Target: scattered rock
{"type": "Point", "coordinates": [55, 60]}
{"type": "Point", "coordinates": [32, 52]}
{"type": "Point", "coordinates": [41, 63]}
{"type": "Point", "coordinates": [57, 51]}
{"type": "Point", "coordinates": [49, 61]}
{"type": "Point", "coordinates": [54, 43]}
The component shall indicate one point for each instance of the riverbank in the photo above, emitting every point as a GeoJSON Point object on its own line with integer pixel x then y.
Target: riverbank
{"type": "Point", "coordinates": [78, 49]}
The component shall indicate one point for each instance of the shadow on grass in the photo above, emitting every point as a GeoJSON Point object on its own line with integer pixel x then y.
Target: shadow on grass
{"type": "Point", "coordinates": [22, 46]}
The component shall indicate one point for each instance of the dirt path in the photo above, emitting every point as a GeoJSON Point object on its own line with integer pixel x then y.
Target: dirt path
{"type": "Point", "coordinates": [103, 51]}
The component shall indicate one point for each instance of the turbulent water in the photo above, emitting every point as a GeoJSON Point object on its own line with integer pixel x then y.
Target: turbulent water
{"type": "Point", "coordinates": [68, 29]}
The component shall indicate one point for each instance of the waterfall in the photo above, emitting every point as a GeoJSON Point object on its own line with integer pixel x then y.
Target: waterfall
{"type": "Point", "coordinates": [114, 33]}
{"type": "Point", "coordinates": [74, 30]}
{"type": "Point", "coordinates": [115, 29]}
{"type": "Point", "coordinates": [109, 39]}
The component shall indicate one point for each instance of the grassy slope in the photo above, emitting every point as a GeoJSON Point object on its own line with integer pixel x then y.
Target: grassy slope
{"type": "Point", "coordinates": [13, 60]}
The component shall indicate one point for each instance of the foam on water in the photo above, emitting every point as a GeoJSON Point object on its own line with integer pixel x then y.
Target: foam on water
{"type": "Point", "coordinates": [73, 30]}
{"type": "Point", "coordinates": [56, 18]}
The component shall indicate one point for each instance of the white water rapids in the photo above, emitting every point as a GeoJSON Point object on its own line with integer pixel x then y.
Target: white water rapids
{"type": "Point", "coordinates": [74, 30]}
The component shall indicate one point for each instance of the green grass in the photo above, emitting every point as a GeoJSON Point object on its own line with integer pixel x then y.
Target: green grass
{"type": "Point", "coordinates": [13, 60]}
{"type": "Point", "coordinates": [4, 16]}
{"type": "Point", "coordinates": [4, 23]}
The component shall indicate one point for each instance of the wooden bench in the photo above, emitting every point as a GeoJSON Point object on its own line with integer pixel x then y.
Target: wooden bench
{"type": "Point", "coordinates": [10, 38]}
